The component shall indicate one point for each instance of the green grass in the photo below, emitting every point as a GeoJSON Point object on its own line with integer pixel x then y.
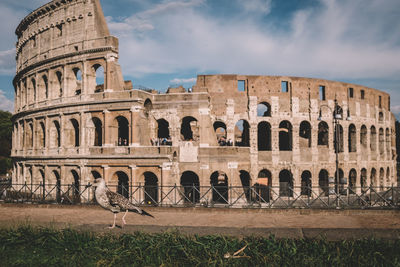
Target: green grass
{"type": "Point", "coordinates": [29, 246]}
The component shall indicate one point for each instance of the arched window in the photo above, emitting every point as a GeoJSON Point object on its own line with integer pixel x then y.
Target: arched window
{"type": "Point", "coordinates": [75, 126]}
{"type": "Point", "coordinates": [55, 139]}
{"type": "Point", "coordinates": [264, 109]}
{"type": "Point", "coordinates": [220, 132]}
{"type": "Point", "coordinates": [381, 142]}
{"type": "Point", "coordinates": [262, 186]}
{"type": "Point", "coordinates": [46, 86]}
{"type": "Point", "coordinates": [189, 129]}
{"type": "Point", "coordinates": [381, 179]}
{"type": "Point", "coordinates": [352, 181]}
{"type": "Point", "coordinates": [352, 138]}
{"type": "Point", "coordinates": [245, 180]}
{"type": "Point", "coordinates": [373, 177]}
{"type": "Point", "coordinates": [264, 136]}
{"type": "Point", "coordinates": [78, 80]}
{"type": "Point", "coordinates": [191, 187]}
{"type": "Point", "coordinates": [148, 106]}
{"type": "Point", "coordinates": [380, 116]}
{"type": "Point", "coordinates": [242, 133]}
{"type": "Point", "coordinates": [285, 136]}
{"type": "Point", "coordinates": [33, 82]}
{"type": "Point", "coordinates": [363, 180]}
{"type": "Point", "coordinates": [285, 183]}
{"type": "Point", "coordinates": [76, 197]}
{"type": "Point", "coordinates": [305, 134]}
{"type": "Point", "coordinates": [363, 136]}
{"type": "Point", "coordinates": [98, 132]}
{"type": "Point", "coordinates": [388, 180]}
{"type": "Point", "coordinates": [338, 139]}
{"type": "Point", "coordinates": [123, 131]}
{"type": "Point", "coordinates": [59, 83]}
{"type": "Point", "coordinates": [163, 132]}
{"type": "Point", "coordinates": [306, 183]}
{"type": "Point", "coordinates": [219, 183]}
{"type": "Point", "coordinates": [95, 175]}
{"type": "Point", "coordinates": [57, 179]}
{"type": "Point", "coordinates": [123, 183]}
{"type": "Point", "coordinates": [99, 72]}
{"type": "Point", "coordinates": [42, 135]}
{"type": "Point", "coordinates": [373, 139]}
{"type": "Point", "coordinates": [323, 134]}
{"type": "Point", "coordinates": [339, 182]}
{"type": "Point", "coordinates": [323, 181]}
{"type": "Point", "coordinates": [388, 143]}
{"type": "Point", "coordinates": [150, 188]}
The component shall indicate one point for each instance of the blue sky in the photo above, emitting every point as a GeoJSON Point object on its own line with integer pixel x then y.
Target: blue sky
{"type": "Point", "coordinates": [168, 42]}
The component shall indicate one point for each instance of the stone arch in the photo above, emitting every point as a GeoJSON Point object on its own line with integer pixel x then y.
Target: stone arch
{"type": "Point", "coordinates": [189, 129]}
{"type": "Point", "coordinates": [323, 182]}
{"type": "Point", "coordinates": [55, 137]}
{"type": "Point", "coordinates": [43, 87]}
{"type": "Point", "coordinates": [76, 134]}
{"type": "Point", "coordinates": [41, 136]}
{"type": "Point", "coordinates": [264, 109]}
{"type": "Point", "coordinates": [123, 183]}
{"type": "Point", "coordinates": [75, 187]}
{"type": "Point", "coordinates": [285, 136]}
{"type": "Point", "coordinates": [191, 187]}
{"type": "Point", "coordinates": [78, 80]}
{"type": "Point", "coordinates": [263, 186]}
{"type": "Point", "coordinates": [150, 188]}
{"type": "Point", "coordinates": [57, 180]}
{"type": "Point", "coordinates": [363, 179]}
{"type": "Point", "coordinates": [264, 136]}
{"type": "Point", "coordinates": [98, 132]}
{"type": "Point", "coordinates": [323, 134]}
{"type": "Point", "coordinates": [148, 106]}
{"type": "Point", "coordinates": [220, 132]}
{"type": "Point", "coordinates": [123, 131]}
{"type": "Point", "coordinates": [339, 181]}
{"type": "Point", "coordinates": [305, 134]}
{"type": "Point", "coordinates": [34, 89]}
{"type": "Point", "coordinates": [381, 179]}
{"type": "Point", "coordinates": [388, 180]}
{"type": "Point", "coordinates": [306, 183]}
{"type": "Point", "coordinates": [373, 138]}
{"type": "Point", "coordinates": [338, 139]}
{"type": "Point", "coordinates": [219, 183]}
{"type": "Point", "coordinates": [373, 180]}
{"type": "Point", "coordinates": [352, 138]}
{"type": "Point", "coordinates": [245, 179]}
{"type": "Point", "coordinates": [242, 133]}
{"type": "Point", "coordinates": [95, 174]}
{"type": "Point", "coordinates": [352, 181]}
{"type": "Point", "coordinates": [285, 183]}
{"type": "Point", "coordinates": [59, 83]}
{"type": "Point", "coordinates": [381, 141]}
{"type": "Point", "coordinates": [163, 129]}
{"type": "Point", "coordinates": [99, 73]}
{"type": "Point", "coordinates": [380, 117]}
{"type": "Point", "coordinates": [363, 136]}
{"type": "Point", "coordinates": [388, 143]}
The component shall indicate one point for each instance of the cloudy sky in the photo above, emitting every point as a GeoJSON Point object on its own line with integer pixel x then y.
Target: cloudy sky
{"type": "Point", "coordinates": [168, 42]}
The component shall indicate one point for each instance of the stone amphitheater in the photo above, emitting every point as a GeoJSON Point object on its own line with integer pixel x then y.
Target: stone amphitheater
{"type": "Point", "coordinates": [76, 119]}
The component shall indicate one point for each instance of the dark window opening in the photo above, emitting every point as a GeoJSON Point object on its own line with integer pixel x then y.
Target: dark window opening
{"type": "Point", "coordinates": [362, 94]}
{"type": "Point", "coordinates": [340, 182]}
{"type": "Point", "coordinates": [220, 132]}
{"type": "Point", "coordinates": [351, 92]}
{"type": "Point", "coordinates": [306, 183]}
{"type": "Point", "coordinates": [150, 188]}
{"type": "Point", "coordinates": [380, 117]}
{"type": "Point", "coordinates": [338, 139]}
{"type": "Point", "coordinates": [189, 129]}
{"type": "Point", "coordinates": [323, 181]}
{"type": "Point", "coordinates": [219, 183]}
{"type": "Point", "coordinates": [98, 132]}
{"type": "Point", "coordinates": [163, 132]}
{"type": "Point", "coordinates": [46, 86]}
{"type": "Point", "coordinates": [305, 134]}
{"type": "Point", "coordinates": [264, 109]}
{"type": "Point", "coordinates": [381, 179]}
{"type": "Point", "coordinates": [123, 184]}
{"type": "Point", "coordinates": [75, 125]}
{"type": "Point", "coordinates": [363, 136]}
{"type": "Point", "coordinates": [245, 179]}
{"type": "Point", "coordinates": [191, 187]}
{"type": "Point", "coordinates": [285, 136]}
{"type": "Point", "coordinates": [380, 101]}
{"type": "Point", "coordinates": [285, 184]}
{"type": "Point", "coordinates": [42, 137]}
{"type": "Point", "coordinates": [241, 86]}
{"type": "Point", "coordinates": [263, 186]}
{"type": "Point", "coordinates": [123, 131]}
{"type": "Point", "coordinates": [60, 82]}
{"type": "Point", "coordinates": [322, 93]}
{"type": "Point", "coordinates": [323, 134]}
{"type": "Point", "coordinates": [99, 72]}
{"type": "Point", "coordinates": [264, 136]}
{"type": "Point", "coordinates": [352, 181]}
{"type": "Point", "coordinates": [352, 138]}
{"type": "Point", "coordinates": [78, 80]}
{"type": "Point", "coordinates": [381, 141]}
{"type": "Point", "coordinates": [284, 86]}
{"type": "Point", "coordinates": [59, 30]}
{"type": "Point", "coordinates": [242, 133]}
{"type": "Point", "coordinates": [373, 139]}
{"type": "Point", "coordinates": [373, 178]}
{"type": "Point", "coordinates": [76, 197]}
{"type": "Point", "coordinates": [363, 180]}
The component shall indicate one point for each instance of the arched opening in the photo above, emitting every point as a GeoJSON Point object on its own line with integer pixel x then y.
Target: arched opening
{"type": "Point", "coordinates": [263, 186]}
{"type": "Point", "coordinates": [363, 180]}
{"type": "Point", "coordinates": [99, 72]}
{"type": "Point", "coordinates": [123, 131]}
{"type": "Point", "coordinates": [29, 135]}
{"type": "Point", "coordinates": [245, 179]}
{"type": "Point", "coordinates": [189, 129]}
{"type": "Point", "coordinates": [352, 138]}
{"type": "Point", "coordinates": [338, 112]}
{"type": "Point", "coordinates": [33, 82]}
{"type": "Point", "coordinates": [264, 109]}
{"type": "Point", "coordinates": [285, 183]}
{"type": "Point", "coordinates": [306, 183]}
{"type": "Point", "coordinates": [75, 126]}
{"type": "Point", "coordinates": [381, 179]}
{"type": "Point", "coordinates": [242, 133]}
{"type": "Point", "coordinates": [264, 136]}
{"type": "Point", "coordinates": [340, 182]}
{"type": "Point", "coordinates": [191, 187]}
{"type": "Point", "coordinates": [381, 142]}
{"type": "Point", "coordinates": [352, 181]}
{"type": "Point", "coordinates": [55, 140]}
{"type": "Point", "coordinates": [46, 86]}
{"type": "Point", "coordinates": [220, 132]}
{"type": "Point", "coordinates": [163, 132]}
{"type": "Point", "coordinates": [219, 183]}
{"type": "Point", "coordinates": [363, 137]}
{"type": "Point", "coordinates": [285, 136]}
{"type": "Point", "coordinates": [323, 182]}
{"type": "Point", "coordinates": [148, 106]}
{"type": "Point", "coordinates": [76, 197]}
{"type": "Point", "coordinates": [373, 139]}
{"type": "Point", "coordinates": [338, 140]}
{"type": "Point", "coordinates": [323, 134]}
{"type": "Point", "coordinates": [305, 134]}
{"type": "Point", "coordinates": [123, 183]}
{"type": "Point", "coordinates": [42, 135]}
{"type": "Point", "coordinates": [95, 175]}
{"type": "Point", "coordinates": [388, 180]}
{"type": "Point", "coordinates": [59, 83]}
{"type": "Point", "coordinates": [78, 80]}
{"type": "Point", "coordinates": [388, 142]}
{"type": "Point", "coordinates": [380, 116]}
{"type": "Point", "coordinates": [373, 178]}
{"type": "Point", "coordinates": [98, 132]}
{"type": "Point", "coordinates": [57, 179]}
{"type": "Point", "coordinates": [43, 183]}
{"type": "Point", "coordinates": [150, 188]}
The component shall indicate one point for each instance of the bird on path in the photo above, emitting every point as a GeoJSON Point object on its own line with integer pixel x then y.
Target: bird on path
{"type": "Point", "coordinates": [114, 202]}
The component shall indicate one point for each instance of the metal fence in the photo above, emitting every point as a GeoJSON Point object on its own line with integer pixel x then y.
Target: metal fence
{"type": "Point", "coordinates": [211, 196]}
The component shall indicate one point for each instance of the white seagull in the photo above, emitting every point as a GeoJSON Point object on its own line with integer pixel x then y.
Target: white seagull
{"type": "Point", "coordinates": [114, 202]}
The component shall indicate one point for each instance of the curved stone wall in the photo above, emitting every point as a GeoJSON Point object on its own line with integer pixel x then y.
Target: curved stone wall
{"type": "Point", "coordinates": [73, 122]}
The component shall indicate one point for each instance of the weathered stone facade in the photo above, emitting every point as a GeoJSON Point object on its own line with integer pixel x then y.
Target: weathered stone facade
{"type": "Point", "coordinates": [68, 128]}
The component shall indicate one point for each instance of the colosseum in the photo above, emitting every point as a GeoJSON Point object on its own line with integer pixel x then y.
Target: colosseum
{"type": "Point", "coordinates": [76, 119]}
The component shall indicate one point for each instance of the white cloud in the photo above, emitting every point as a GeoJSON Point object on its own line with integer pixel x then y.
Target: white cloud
{"type": "Point", "coordinates": [5, 103]}
{"type": "Point", "coordinates": [182, 80]}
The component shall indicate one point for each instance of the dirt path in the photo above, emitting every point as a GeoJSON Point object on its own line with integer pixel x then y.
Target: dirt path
{"type": "Point", "coordinates": [333, 224]}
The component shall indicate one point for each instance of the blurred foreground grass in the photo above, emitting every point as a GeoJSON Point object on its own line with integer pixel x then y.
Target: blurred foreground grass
{"type": "Point", "coordinates": [32, 246]}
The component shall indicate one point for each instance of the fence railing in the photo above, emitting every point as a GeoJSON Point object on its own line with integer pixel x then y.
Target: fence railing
{"type": "Point", "coordinates": [257, 196]}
